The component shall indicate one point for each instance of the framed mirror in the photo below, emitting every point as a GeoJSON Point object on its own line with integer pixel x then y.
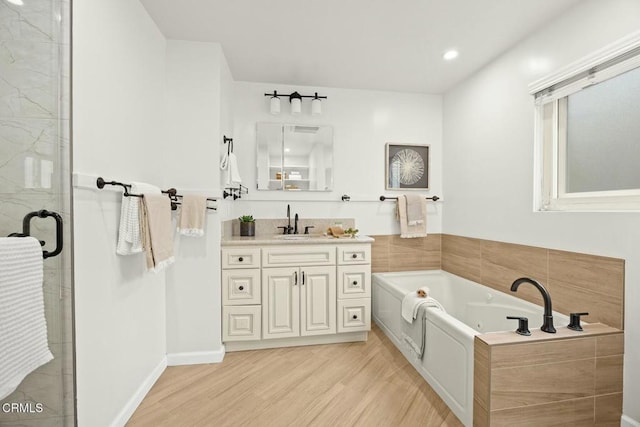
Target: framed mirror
{"type": "Point", "coordinates": [294, 157]}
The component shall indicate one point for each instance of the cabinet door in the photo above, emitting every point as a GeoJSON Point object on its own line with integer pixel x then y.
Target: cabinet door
{"type": "Point", "coordinates": [317, 300]}
{"type": "Point", "coordinates": [280, 302]}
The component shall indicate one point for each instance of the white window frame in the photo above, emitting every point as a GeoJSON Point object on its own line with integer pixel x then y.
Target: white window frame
{"type": "Point", "coordinates": [550, 153]}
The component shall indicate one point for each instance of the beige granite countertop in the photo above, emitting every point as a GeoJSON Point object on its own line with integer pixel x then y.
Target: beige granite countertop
{"type": "Point", "coordinates": [292, 239]}
{"type": "Point", "coordinates": [590, 329]}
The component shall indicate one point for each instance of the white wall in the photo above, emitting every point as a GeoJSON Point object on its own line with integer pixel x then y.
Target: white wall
{"type": "Point", "coordinates": [198, 88]}
{"type": "Point", "coordinates": [363, 121]}
{"type": "Point", "coordinates": [118, 132]}
{"type": "Point", "coordinates": [488, 159]}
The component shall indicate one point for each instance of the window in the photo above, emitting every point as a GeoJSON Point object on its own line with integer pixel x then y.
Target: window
{"type": "Point", "coordinates": [588, 133]}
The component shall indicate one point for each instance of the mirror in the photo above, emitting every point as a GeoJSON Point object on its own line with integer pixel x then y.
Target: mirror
{"type": "Point", "coordinates": [294, 157]}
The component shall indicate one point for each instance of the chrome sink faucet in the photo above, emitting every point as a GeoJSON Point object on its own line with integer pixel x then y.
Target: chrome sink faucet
{"type": "Point", "coordinates": [547, 324]}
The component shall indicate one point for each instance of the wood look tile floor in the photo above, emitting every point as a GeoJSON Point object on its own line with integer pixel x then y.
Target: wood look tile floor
{"type": "Point", "coordinates": [354, 384]}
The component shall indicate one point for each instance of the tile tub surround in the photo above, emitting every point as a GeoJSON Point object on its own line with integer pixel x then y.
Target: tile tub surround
{"type": "Point", "coordinates": [577, 282]}
{"type": "Point", "coordinates": [269, 226]}
{"type": "Point", "coordinates": [391, 253]}
{"type": "Point", "coordinates": [570, 378]}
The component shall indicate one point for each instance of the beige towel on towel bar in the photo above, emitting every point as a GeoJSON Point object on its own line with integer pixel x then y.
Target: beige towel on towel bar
{"type": "Point", "coordinates": [193, 212]}
{"type": "Point", "coordinates": [157, 238]}
{"type": "Point", "coordinates": [411, 211]}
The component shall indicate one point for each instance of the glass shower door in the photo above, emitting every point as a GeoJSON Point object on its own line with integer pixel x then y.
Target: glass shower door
{"type": "Point", "coordinates": [34, 175]}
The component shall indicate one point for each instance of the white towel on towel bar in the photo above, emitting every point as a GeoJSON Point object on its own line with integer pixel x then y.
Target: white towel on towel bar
{"type": "Point", "coordinates": [129, 239]}
{"type": "Point", "coordinates": [23, 328]}
{"type": "Point", "coordinates": [412, 302]}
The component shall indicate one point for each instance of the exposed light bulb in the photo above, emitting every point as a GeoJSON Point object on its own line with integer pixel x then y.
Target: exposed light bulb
{"type": "Point", "coordinates": [450, 54]}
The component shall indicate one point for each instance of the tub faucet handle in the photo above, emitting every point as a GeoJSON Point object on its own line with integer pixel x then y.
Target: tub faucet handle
{"type": "Point", "coordinates": [574, 321]}
{"type": "Point", "coordinates": [523, 325]}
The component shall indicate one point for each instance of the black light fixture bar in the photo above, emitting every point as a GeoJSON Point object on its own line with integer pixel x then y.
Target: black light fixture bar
{"type": "Point", "coordinates": [383, 198]}
{"type": "Point", "coordinates": [294, 95]}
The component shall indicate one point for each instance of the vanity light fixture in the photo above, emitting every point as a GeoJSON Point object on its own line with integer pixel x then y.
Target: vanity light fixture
{"type": "Point", "coordinates": [296, 102]}
{"type": "Point", "coordinates": [450, 54]}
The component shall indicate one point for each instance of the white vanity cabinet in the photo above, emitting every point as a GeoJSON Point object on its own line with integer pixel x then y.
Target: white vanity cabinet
{"type": "Point", "coordinates": [295, 294]}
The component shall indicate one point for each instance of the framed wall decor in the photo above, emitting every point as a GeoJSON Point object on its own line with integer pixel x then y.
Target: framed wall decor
{"type": "Point", "coordinates": [407, 167]}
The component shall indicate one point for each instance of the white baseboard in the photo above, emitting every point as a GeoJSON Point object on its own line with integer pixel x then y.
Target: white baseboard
{"type": "Point", "coordinates": [195, 357]}
{"type": "Point", "coordinates": [141, 392]}
{"type": "Point", "coordinates": [627, 421]}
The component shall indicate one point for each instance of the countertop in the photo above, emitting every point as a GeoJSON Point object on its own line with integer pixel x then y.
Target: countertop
{"type": "Point", "coordinates": [292, 239]}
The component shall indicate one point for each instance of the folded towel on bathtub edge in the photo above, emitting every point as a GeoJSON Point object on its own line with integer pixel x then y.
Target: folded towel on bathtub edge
{"type": "Point", "coordinates": [411, 302]}
{"type": "Point", "coordinates": [413, 333]}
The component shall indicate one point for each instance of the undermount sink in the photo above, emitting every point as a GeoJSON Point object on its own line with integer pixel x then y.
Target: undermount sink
{"type": "Point", "coordinates": [293, 236]}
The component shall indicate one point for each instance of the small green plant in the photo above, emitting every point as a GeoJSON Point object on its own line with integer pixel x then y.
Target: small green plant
{"type": "Point", "coordinates": [247, 218]}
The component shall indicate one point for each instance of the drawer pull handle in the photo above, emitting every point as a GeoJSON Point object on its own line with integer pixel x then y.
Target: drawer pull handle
{"type": "Point", "coordinates": [303, 277]}
{"type": "Point", "coordinates": [355, 283]}
{"type": "Point", "coordinates": [240, 259]}
{"type": "Point", "coordinates": [354, 256]}
{"type": "Point", "coordinates": [241, 288]}
{"type": "Point", "coordinates": [295, 282]}
{"type": "Point", "coordinates": [355, 317]}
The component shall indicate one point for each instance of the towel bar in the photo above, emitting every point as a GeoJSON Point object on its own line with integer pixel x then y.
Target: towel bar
{"type": "Point", "coordinates": [383, 198]}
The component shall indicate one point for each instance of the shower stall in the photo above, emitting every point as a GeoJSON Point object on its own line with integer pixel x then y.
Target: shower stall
{"type": "Point", "coordinates": [35, 165]}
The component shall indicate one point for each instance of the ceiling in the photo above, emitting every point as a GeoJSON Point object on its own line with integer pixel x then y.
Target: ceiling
{"type": "Point", "coordinates": [358, 44]}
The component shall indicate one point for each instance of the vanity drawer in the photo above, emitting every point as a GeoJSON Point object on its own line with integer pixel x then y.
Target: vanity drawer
{"type": "Point", "coordinates": [298, 255]}
{"type": "Point", "coordinates": [241, 287]}
{"type": "Point", "coordinates": [244, 257]}
{"type": "Point", "coordinates": [354, 315]}
{"type": "Point", "coordinates": [354, 254]}
{"type": "Point", "coordinates": [241, 322]}
{"type": "Point", "coordinates": [354, 281]}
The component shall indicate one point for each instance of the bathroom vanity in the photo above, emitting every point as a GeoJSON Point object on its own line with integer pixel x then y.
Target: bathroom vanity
{"type": "Point", "coordinates": [291, 290]}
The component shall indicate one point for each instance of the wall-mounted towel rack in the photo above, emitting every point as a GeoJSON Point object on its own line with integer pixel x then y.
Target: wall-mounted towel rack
{"type": "Point", "coordinates": [230, 141]}
{"type": "Point", "coordinates": [26, 230]}
{"type": "Point", "coordinates": [171, 192]}
{"type": "Point", "coordinates": [235, 192]}
{"type": "Point", "coordinates": [383, 198]}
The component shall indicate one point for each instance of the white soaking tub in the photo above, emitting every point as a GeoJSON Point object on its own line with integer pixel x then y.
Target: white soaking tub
{"type": "Point", "coordinates": [471, 309]}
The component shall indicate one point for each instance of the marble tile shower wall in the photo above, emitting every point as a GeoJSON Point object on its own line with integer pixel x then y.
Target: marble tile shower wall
{"type": "Point", "coordinates": [34, 174]}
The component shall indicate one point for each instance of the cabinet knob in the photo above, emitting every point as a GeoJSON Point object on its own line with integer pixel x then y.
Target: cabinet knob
{"type": "Point", "coordinates": [240, 259]}
{"type": "Point", "coordinates": [355, 283]}
{"type": "Point", "coordinates": [241, 288]}
{"type": "Point", "coordinates": [355, 317]}
{"type": "Point", "coordinates": [354, 256]}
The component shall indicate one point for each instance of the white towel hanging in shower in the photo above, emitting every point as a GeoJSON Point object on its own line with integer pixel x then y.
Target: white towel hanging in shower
{"type": "Point", "coordinates": [23, 327]}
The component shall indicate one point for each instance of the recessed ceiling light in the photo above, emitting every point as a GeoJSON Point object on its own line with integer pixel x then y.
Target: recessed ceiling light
{"type": "Point", "coordinates": [16, 2]}
{"type": "Point", "coordinates": [286, 150]}
{"type": "Point", "coordinates": [450, 54]}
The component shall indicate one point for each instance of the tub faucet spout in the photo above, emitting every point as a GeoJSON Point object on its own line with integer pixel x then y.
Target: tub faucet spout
{"type": "Point", "coordinates": [547, 323]}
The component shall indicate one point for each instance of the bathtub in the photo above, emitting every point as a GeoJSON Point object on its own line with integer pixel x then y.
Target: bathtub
{"type": "Point", "coordinates": [471, 309]}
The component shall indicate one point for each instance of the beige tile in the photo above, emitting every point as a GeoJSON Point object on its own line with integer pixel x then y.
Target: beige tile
{"type": "Point", "coordinates": [481, 375]}
{"type": "Point", "coordinates": [505, 356]}
{"type": "Point", "coordinates": [480, 415]}
{"type": "Point", "coordinates": [461, 256]}
{"type": "Point", "coordinates": [608, 409]}
{"type": "Point", "coordinates": [414, 254]}
{"type": "Point", "coordinates": [610, 345]}
{"type": "Point", "coordinates": [609, 374]}
{"type": "Point", "coordinates": [596, 273]}
{"type": "Point", "coordinates": [604, 308]}
{"type": "Point", "coordinates": [533, 385]}
{"type": "Point", "coordinates": [576, 412]}
{"type": "Point", "coordinates": [380, 254]}
{"type": "Point", "coordinates": [502, 263]}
